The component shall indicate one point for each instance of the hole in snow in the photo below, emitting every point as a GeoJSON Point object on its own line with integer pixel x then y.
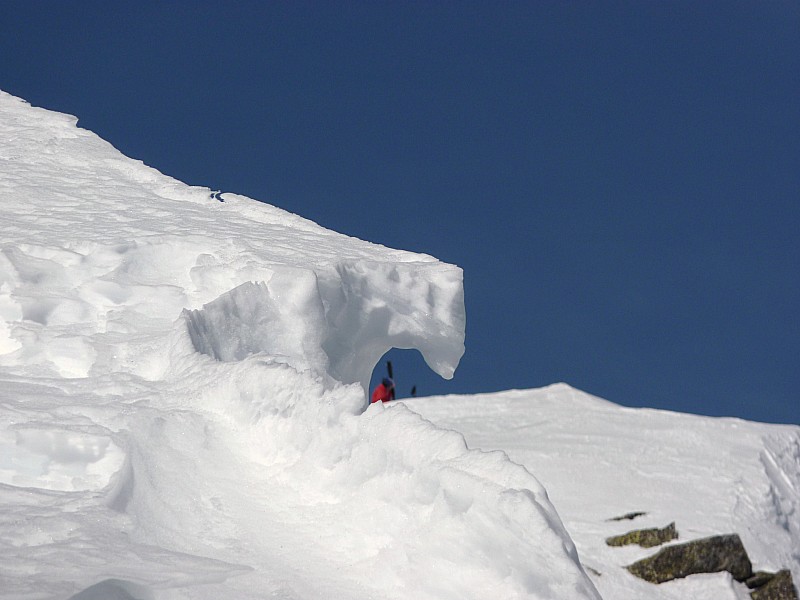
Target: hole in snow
{"type": "Point", "coordinates": [411, 373]}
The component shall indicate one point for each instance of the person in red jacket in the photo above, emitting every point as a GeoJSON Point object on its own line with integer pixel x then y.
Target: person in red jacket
{"type": "Point", "coordinates": [384, 392]}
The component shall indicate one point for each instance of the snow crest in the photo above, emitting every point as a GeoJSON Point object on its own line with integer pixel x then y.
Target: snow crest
{"type": "Point", "coordinates": [710, 476]}
{"type": "Point", "coordinates": [183, 410]}
{"type": "Point", "coordinates": [342, 324]}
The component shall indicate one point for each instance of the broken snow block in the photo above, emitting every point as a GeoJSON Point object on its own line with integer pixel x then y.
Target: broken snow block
{"type": "Point", "coordinates": [646, 538]}
{"type": "Point", "coordinates": [708, 555]}
{"type": "Point", "coordinates": [780, 587]}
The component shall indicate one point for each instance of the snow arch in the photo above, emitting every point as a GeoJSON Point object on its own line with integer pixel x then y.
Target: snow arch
{"type": "Point", "coordinates": [339, 322]}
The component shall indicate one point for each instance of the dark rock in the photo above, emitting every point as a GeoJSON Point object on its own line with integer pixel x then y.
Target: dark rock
{"type": "Point", "coordinates": [629, 516]}
{"type": "Point", "coordinates": [780, 587]}
{"type": "Point", "coordinates": [646, 538]}
{"type": "Point", "coordinates": [758, 579]}
{"type": "Point", "coordinates": [708, 555]}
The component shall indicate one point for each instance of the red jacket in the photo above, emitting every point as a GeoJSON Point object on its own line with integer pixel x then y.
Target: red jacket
{"type": "Point", "coordinates": [382, 394]}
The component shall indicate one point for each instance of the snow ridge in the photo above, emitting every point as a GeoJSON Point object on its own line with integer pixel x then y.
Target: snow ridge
{"type": "Point", "coordinates": [182, 401]}
{"type": "Point", "coordinates": [710, 476]}
{"type": "Point", "coordinates": [781, 460]}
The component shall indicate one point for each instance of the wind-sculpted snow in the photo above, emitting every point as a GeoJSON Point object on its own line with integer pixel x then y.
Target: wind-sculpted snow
{"type": "Point", "coordinates": [183, 409]}
{"type": "Point", "coordinates": [709, 476]}
{"type": "Point", "coordinates": [341, 325]}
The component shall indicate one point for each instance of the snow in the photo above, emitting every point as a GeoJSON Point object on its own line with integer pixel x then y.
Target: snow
{"type": "Point", "coordinates": [183, 415]}
{"type": "Point", "coordinates": [599, 461]}
{"type": "Point", "coordinates": [183, 410]}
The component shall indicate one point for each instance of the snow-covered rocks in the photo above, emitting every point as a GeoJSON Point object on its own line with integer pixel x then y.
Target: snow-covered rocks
{"type": "Point", "coordinates": [646, 538]}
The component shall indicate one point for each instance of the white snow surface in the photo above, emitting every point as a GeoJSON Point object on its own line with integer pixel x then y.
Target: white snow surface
{"type": "Point", "coordinates": [183, 416]}
{"type": "Point", "coordinates": [183, 411]}
{"type": "Point", "coordinates": [600, 461]}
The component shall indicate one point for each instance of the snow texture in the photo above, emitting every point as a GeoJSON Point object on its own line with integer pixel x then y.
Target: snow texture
{"type": "Point", "coordinates": [600, 461]}
{"type": "Point", "coordinates": [183, 410]}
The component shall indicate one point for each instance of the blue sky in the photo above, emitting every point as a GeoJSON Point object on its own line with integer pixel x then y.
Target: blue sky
{"type": "Point", "coordinates": [620, 181]}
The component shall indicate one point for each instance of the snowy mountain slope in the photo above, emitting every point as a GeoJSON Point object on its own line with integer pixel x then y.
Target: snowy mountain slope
{"type": "Point", "coordinates": [182, 401]}
{"type": "Point", "coordinates": [599, 461]}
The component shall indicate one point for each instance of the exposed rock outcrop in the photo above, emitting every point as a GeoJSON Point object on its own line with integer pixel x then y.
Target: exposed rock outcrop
{"type": "Point", "coordinates": [779, 587]}
{"type": "Point", "coordinates": [707, 555]}
{"type": "Point", "coordinates": [646, 538]}
{"type": "Point", "coordinates": [758, 579]}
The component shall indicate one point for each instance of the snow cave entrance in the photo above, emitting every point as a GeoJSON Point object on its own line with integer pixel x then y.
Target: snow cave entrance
{"type": "Point", "coordinates": [411, 373]}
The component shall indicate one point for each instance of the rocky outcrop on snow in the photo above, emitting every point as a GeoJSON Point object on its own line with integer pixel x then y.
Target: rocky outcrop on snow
{"type": "Point", "coordinates": [646, 538]}
{"type": "Point", "coordinates": [778, 586]}
{"type": "Point", "coordinates": [707, 555]}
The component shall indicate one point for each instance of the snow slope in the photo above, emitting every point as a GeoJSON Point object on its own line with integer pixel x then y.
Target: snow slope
{"type": "Point", "coordinates": [599, 461]}
{"type": "Point", "coordinates": [182, 406]}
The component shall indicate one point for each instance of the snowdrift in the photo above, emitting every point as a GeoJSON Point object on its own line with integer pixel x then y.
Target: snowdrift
{"type": "Point", "coordinates": [600, 461]}
{"type": "Point", "coordinates": [182, 402]}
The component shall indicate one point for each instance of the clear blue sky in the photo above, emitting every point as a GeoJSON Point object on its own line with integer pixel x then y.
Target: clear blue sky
{"type": "Point", "coordinates": [620, 181]}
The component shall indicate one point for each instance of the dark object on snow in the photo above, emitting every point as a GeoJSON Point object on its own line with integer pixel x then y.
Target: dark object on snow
{"type": "Point", "coordinates": [779, 587]}
{"type": "Point", "coordinates": [629, 517]}
{"type": "Point", "coordinates": [646, 538]}
{"type": "Point", "coordinates": [708, 555]}
{"type": "Point", "coordinates": [758, 579]}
